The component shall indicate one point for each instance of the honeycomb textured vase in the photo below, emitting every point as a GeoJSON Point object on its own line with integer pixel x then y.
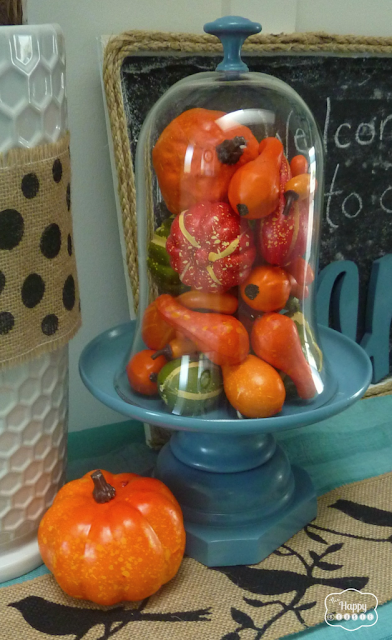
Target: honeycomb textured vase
{"type": "Point", "coordinates": [33, 107]}
{"type": "Point", "coordinates": [33, 419]}
{"type": "Point", "coordinates": [34, 395]}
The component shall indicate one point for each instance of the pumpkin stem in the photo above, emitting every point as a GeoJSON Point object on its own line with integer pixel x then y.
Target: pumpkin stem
{"type": "Point", "coordinates": [291, 197]}
{"type": "Point", "coordinates": [103, 491]}
{"type": "Point", "coordinates": [230, 151]}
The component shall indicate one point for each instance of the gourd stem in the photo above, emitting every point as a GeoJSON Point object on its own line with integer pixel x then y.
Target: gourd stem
{"type": "Point", "coordinates": [153, 377]}
{"type": "Point", "coordinates": [103, 491]}
{"type": "Point", "coordinates": [291, 197]}
{"type": "Point", "coordinates": [167, 351]}
{"type": "Point", "coordinates": [230, 151]}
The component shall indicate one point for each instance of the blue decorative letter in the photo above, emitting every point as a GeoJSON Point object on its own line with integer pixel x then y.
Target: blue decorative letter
{"type": "Point", "coordinates": [339, 280]}
{"type": "Point", "coordinates": [378, 317]}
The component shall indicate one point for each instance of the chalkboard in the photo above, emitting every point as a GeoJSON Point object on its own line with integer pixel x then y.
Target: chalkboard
{"type": "Point", "coordinates": [351, 99]}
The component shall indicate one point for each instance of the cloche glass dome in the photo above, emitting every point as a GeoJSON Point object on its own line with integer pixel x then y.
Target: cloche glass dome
{"type": "Point", "coordinates": [229, 182]}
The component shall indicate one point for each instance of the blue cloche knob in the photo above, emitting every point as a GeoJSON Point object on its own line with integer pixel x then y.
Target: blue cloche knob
{"type": "Point", "coordinates": [232, 32]}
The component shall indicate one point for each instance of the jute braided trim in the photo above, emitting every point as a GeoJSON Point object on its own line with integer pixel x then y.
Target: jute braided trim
{"type": "Point", "coordinates": [131, 42]}
{"type": "Point", "coordinates": [382, 389]}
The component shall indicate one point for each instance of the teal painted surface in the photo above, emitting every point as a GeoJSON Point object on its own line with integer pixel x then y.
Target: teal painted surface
{"type": "Point", "coordinates": [354, 445]}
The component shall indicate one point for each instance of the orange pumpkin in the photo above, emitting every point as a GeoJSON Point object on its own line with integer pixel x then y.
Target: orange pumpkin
{"type": "Point", "coordinates": [109, 538]}
{"type": "Point", "coordinates": [197, 154]}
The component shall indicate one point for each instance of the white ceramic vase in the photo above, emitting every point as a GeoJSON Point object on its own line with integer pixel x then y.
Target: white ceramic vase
{"type": "Point", "coordinates": [34, 395]}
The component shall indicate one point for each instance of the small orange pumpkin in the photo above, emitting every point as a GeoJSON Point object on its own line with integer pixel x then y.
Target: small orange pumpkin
{"type": "Point", "coordinates": [197, 154]}
{"type": "Point", "coordinates": [109, 538]}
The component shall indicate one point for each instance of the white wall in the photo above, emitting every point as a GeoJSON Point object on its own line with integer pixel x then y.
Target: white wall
{"type": "Point", "coordinates": [97, 243]}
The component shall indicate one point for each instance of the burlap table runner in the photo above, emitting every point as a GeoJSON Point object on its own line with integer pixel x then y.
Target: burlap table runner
{"type": "Point", "coordinates": [347, 546]}
{"type": "Point", "coordinates": [39, 297]}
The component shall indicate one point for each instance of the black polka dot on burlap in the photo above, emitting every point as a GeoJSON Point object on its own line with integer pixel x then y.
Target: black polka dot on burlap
{"type": "Point", "coordinates": [69, 293]}
{"type": "Point", "coordinates": [50, 324]}
{"type": "Point", "coordinates": [2, 281]}
{"type": "Point", "coordinates": [69, 241]}
{"type": "Point", "coordinates": [33, 290]}
{"type": "Point", "coordinates": [30, 185]}
{"type": "Point", "coordinates": [50, 242]}
{"type": "Point", "coordinates": [57, 170]}
{"type": "Point", "coordinates": [7, 322]}
{"type": "Point", "coordinates": [11, 228]}
{"type": "Point", "coordinates": [68, 197]}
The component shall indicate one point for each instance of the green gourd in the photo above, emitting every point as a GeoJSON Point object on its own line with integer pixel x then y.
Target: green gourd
{"type": "Point", "coordinates": [158, 261]}
{"type": "Point", "coordinates": [190, 386]}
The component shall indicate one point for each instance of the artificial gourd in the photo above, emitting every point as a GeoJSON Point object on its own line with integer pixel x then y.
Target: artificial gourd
{"type": "Point", "coordinates": [222, 338]}
{"type": "Point", "coordinates": [301, 271]}
{"type": "Point", "coordinates": [142, 371]}
{"type": "Point", "coordinates": [266, 288]}
{"type": "Point", "coordinates": [298, 165]}
{"type": "Point", "coordinates": [196, 155]}
{"type": "Point", "coordinates": [210, 247]}
{"type": "Point", "coordinates": [156, 333]}
{"type": "Point", "coordinates": [179, 346]}
{"type": "Point", "coordinates": [254, 388]}
{"type": "Point", "coordinates": [254, 188]}
{"type": "Point", "coordinates": [309, 345]}
{"type": "Point", "coordinates": [190, 386]}
{"type": "Point", "coordinates": [109, 538]}
{"type": "Point", "coordinates": [158, 261]}
{"type": "Point", "coordinates": [282, 236]}
{"type": "Point", "coordinates": [275, 339]}
{"type": "Point", "coordinates": [218, 302]}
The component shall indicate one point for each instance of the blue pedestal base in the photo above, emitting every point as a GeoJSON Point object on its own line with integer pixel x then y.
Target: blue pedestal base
{"type": "Point", "coordinates": [240, 496]}
{"type": "Point", "coordinates": [251, 543]}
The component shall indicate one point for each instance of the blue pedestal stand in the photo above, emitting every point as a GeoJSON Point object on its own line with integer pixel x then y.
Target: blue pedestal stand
{"type": "Point", "coordinates": [239, 494]}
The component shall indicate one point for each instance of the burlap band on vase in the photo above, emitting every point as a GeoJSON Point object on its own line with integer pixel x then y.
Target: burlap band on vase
{"type": "Point", "coordinates": [39, 294]}
{"type": "Point", "coordinates": [348, 546]}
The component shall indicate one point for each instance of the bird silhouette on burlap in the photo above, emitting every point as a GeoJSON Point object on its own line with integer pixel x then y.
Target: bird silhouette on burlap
{"type": "Point", "coordinates": [59, 620]}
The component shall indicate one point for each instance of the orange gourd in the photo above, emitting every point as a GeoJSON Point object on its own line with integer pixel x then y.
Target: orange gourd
{"type": "Point", "coordinates": [109, 538]}
{"type": "Point", "coordinates": [301, 270]}
{"type": "Point", "coordinates": [254, 188]}
{"type": "Point", "coordinates": [142, 371]}
{"type": "Point", "coordinates": [300, 185]}
{"type": "Point", "coordinates": [266, 288]}
{"type": "Point", "coordinates": [218, 302]}
{"type": "Point", "coordinates": [179, 346]}
{"type": "Point", "coordinates": [254, 388]}
{"type": "Point", "coordinates": [298, 164]}
{"type": "Point", "coordinates": [222, 338]}
{"type": "Point", "coordinates": [300, 291]}
{"type": "Point", "coordinates": [155, 331]}
{"type": "Point", "coordinates": [196, 155]}
{"type": "Point", "coordinates": [275, 339]}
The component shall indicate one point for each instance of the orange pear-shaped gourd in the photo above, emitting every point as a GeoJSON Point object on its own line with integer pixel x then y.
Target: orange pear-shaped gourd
{"type": "Point", "coordinates": [222, 338]}
{"type": "Point", "coordinates": [275, 339]}
{"type": "Point", "coordinates": [254, 188]}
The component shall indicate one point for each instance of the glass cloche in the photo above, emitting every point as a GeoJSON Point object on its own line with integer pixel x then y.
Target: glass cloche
{"type": "Point", "coordinates": [228, 237]}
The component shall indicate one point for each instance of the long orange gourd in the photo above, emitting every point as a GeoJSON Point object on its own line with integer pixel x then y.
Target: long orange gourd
{"type": "Point", "coordinates": [275, 339]}
{"type": "Point", "coordinates": [254, 188]}
{"type": "Point", "coordinates": [222, 338]}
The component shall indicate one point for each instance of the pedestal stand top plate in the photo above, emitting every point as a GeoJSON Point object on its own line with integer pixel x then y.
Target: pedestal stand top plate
{"type": "Point", "coordinates": [349, 365]}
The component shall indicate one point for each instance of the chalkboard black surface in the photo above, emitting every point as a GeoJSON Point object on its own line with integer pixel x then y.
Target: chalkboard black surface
{"type": "Point", "coordinates": [351, 99]}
